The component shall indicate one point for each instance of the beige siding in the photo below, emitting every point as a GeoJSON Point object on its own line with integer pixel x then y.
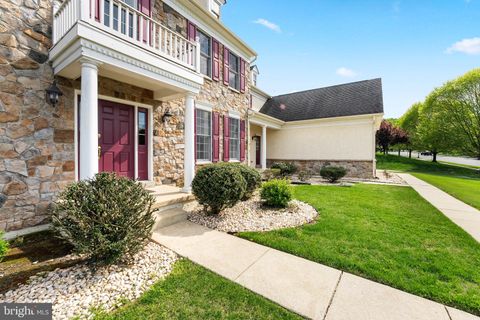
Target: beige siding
{"type": "Point", "coordinates": [323, 140]}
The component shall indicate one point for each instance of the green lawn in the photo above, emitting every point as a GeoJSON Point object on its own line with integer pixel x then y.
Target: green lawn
{"type": "Point", "coordinates": [461, 182]}
{"type": "Point", "coordinates": [192, 292]}
{"type": "Point", "coordinates": [388, 234]}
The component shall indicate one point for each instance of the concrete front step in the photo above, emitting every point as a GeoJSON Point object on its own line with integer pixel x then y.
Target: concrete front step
{"type": "Point", "coordinates": [169, 217]}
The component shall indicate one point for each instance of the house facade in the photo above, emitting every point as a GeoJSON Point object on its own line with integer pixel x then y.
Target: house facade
{"type": "Point", "coordinates": [150, 89]}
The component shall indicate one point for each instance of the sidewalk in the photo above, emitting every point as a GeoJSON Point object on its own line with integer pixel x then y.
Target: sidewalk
{"type": "Point", "coordinates": [465, 216]}
{"type": "Point", "coordinates": [305, 287]}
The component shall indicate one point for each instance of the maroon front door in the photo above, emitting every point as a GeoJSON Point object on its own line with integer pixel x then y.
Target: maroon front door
{"type": "Point", "coordinates": [116, 138]}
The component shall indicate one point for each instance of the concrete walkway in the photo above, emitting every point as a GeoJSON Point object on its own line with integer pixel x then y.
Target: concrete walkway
{"type": "Point", "coordinates": [310, 289]}
{"type": "Point", "coordinates": [465, 216]}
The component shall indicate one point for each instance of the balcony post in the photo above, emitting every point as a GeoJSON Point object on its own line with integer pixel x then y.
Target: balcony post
{"type": "Point", "coordinates": [197, 54]}
{"type": "Point", "coordinates": [89, 119]}
{"type": "Point", "coordinates": [84, 9]}
{"type": "Point", "coordinates": [189, 140]}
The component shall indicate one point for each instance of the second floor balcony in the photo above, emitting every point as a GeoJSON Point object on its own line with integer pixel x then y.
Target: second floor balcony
{"type": "Point", "coordinates": [132, 46]}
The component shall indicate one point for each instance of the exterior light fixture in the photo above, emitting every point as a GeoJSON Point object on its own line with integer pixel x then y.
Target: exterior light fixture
{"type": "Point", "coordinates": [167, 115]}
{"type": "Point", "coordinates": [53, 93]}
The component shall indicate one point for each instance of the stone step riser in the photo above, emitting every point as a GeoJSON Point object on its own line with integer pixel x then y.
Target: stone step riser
{"type": "Point", "coordinates": [169, 217]}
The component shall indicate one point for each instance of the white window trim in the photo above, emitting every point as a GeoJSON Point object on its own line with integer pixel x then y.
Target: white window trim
{"type": "Point", "coordinates": [234, 115]}
{"type": "Point", "coordinates": [238, 72]}
{"type": "Point", "coordinates": [207, 108]}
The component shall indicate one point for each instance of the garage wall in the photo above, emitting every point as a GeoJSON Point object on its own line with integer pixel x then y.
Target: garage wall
{"type": "Point", "coordinates": [324, 139]}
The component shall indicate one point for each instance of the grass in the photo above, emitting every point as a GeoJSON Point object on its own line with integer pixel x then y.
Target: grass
{"type": "Point", "coordinates": [459, 181]}
{"type": "Point", "coordinates": [192, 292]}
{"type": "Point", "coordinates": [388, 234]}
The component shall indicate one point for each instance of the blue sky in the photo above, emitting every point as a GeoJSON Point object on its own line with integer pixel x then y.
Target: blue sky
{"type": "Point", "coordinates": [414, 46]}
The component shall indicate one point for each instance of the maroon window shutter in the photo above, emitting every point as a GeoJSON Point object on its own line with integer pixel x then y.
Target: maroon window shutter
{"type": "Point", "coordinates": [191, 31]}
{"type": "Point", "coordinates": [216, 60]}
{"type": "Point", "coordinates": [145, 7]}
{"type": "Point", "coordinates": [215, 137]}
{"type": "Point", "coordinates": [195, 134]}
{"type": "Point", "coordinates": [226, 139]}
{"type": "Point", "coordinates": [97, 10]}
{"type": "Point", "coordinates": [242, 75]}
{"type": "Point", "coordinates": [226, 69]}
{"type": "Point", "coordinates": [242, 140]}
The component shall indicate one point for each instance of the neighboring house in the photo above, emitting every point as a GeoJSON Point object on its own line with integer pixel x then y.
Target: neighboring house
{"type": "Point", "coordinates": [152, 89]}
{"type": "Point", "coordinates": [327, 126]}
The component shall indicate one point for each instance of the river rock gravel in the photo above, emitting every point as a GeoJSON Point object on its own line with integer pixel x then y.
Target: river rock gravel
{"type": "Point", "coordinates": [77, 290]}
{"type": "Point", "coordinates": [252, 215]}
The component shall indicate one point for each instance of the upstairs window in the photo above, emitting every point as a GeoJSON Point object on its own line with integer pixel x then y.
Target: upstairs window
{"type": "Point", "coordinates": [234, 71]}
{"type": "Point", "coordinates": [205, 53]}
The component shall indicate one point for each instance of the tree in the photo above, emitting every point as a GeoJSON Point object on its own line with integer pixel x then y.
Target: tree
{"type": "Point", "coordinates": [400, 138]}
{"type": "Point", "coordinates": [409, 123]}
{"type": "Point", "coordinates": [459, 102]}
{"type": "Point", "coordinates": [434, 130]}
{"type": "Point", "coordinates": [385, 135]}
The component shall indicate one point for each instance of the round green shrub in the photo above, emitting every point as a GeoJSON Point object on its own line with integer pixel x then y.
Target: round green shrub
{"type": "Point", "coordinates": [3, 246]}
{"type": "Point", "coordinates": [332, 173]}
{"type": "Point", "coordinates": [252, 178]}
{"type": "Point", "coordinates": [108, 218]}
{"type": "Point", "coordinates": [276, 193]}
{"type": "Point", "coordinates": [218, 186]}
{"type": "Point", "coordinates": [286, 168]}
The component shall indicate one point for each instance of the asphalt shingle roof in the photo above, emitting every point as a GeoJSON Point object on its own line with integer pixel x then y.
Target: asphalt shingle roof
{"type": "Point", "coordinates": [356, 98]}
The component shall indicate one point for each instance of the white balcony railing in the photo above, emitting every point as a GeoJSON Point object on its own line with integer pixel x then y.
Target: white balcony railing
{"type": "Point", "coordinates": [126, 22]}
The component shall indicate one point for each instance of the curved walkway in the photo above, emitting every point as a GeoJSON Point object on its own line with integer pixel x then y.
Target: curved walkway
{"type": "Point", "coordinates": [465, 216]}
{"type": "Point", "coordinates": [310, 289]}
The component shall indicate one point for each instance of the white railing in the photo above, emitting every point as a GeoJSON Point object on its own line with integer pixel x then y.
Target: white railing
{"type": "Point", "coordinates": [128, 23]}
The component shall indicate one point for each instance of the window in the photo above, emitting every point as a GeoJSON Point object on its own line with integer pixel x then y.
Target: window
{"type": "Point", "coordinates": [215, 8]}
{"type": "Point", "coordinates": [204, 135]}
{"type": "Point", "coordinates": [234, 71]}
{"type": "Point", "coordinates": [205, 53]}
{"type": "Point", "coordinates": [142, 128]}
{"type": "Point", "coordinates": [254, 78]}
{"type": "Point", "coordinates": [234, 138]}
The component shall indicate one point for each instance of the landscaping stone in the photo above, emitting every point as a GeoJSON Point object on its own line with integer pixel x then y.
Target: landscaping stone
{"type": "Point", "coordinates": [74, 291]}
{"type": "Point", "coordinates": [252, 215]}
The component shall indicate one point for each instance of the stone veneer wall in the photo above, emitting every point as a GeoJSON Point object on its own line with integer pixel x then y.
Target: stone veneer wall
{"type": "Point", "coordinates": [37, 158]}
{"type": "Point", "coordinates": [355, 168]}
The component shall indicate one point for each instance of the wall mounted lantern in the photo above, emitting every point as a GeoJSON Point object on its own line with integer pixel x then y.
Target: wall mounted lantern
{"type": "Point", "coordinates": [53, 93]}
{"type": "Point", "coordinates": [166, 115]}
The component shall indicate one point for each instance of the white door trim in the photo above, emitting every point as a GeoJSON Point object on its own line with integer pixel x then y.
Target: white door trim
{"type": "Point", "coordinates": [135, 105]}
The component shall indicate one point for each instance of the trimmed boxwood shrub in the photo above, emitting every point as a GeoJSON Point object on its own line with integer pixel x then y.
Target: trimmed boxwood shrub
{"type": "Point", "coordinates": [286, 168]}
{"type": "Point", "coordinates": [276, 193]}
{"type": "Point", "coordinates": [252, 178]}
{"type": "Point", "coordinates": [218, 186]}
{"type": "Point", "coordinates": [332, 173]}
{"type": "Point", "coordinates": [108, 218]}
{"type": "Point", "coordinates": [3, 246]}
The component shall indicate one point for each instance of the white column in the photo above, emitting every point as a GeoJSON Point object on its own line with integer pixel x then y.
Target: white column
{"type": "Point", "coordinates": [89, 120]}
{"type": "Point", "coordinates": [189, 139]}
{"type": "Point", "coordinates": [263, 154]}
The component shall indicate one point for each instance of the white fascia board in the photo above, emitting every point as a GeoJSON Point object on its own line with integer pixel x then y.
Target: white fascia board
{"type": "Point", "coordinates": [334, 121]}
{"type": "Point", "coordinates": [264, 120]}
{"type": "Point", "coordinates": [214, 28]}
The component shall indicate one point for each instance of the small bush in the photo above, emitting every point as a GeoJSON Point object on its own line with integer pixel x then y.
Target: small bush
{"type": "Point", "coordinates": [3, 246]}
{"type": "Point", "coordinates": [276, 193]}
{"type": "Point", "coordinates": [304, 175]}
{"type": "Point", "coordinates": [332, 173]}
{"type": "Point", "coordinates": [286, 168]}
{"type": "Point", "coordinates": [218, 186]}
{"type": "Point", "coordinates": [251, 176]}
{"type": "Point", "coordinates": [269, 174]}
{"type": "Point", "coordinates": [108, 218]}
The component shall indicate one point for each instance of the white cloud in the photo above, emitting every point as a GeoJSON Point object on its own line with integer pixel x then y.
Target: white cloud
{"type": "Point", "coordinates": [268, 24]}
{"type": "Point", "coordinates": [345, 72]}
{"type": "Point", "coordinates": [468, 46]}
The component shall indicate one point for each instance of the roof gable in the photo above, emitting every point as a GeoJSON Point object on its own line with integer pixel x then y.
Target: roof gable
{"type": "Point", "coordinates": [356, 98]}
